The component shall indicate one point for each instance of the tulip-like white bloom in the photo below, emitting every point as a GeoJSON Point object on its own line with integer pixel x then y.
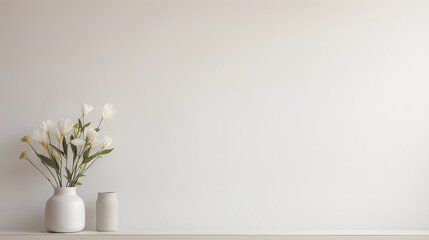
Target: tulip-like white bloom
{"type": "Point", "coordinates": [39, 135]}
{"type": "Point", "coordinates": [106, 142]}
{"type": "Point", "coordinates": [86, 109]}
{"type": "Point", "coordinates": [47, 126]}
{"type": "Point", "coordinates": [57, 134]}
{"type": "Point", "coordinates": [77, 142]}
{"type": "Point", "coordinates": [109, 111]}
{"type": "Point", "coordinates": [90, 134]}
{"type": "Point", "coordinates": [64, 126]}
{"type": "Point", "coordinates": [96, 143]}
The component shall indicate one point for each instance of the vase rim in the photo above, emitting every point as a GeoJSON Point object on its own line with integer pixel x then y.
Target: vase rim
{"type": "Point", "coordinates": [106, 194]}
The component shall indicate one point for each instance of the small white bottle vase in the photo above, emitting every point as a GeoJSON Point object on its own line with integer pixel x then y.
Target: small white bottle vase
{"type": "Point", "coordinates": [107, 212]}
{"type": "Point", "coordinates": [64, 211]}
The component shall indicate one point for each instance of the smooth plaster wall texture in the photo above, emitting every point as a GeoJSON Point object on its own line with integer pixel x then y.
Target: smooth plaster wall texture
{"type": "Point", "coordinates": [232, 114]}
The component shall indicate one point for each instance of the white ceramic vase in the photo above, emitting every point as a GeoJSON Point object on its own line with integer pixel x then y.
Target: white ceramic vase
{"type": "Point", "coordinates": [107, 212]}
{"type": "Point", "coordinates": [65, 211]}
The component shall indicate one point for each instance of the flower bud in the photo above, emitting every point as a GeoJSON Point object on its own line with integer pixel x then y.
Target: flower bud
{"type": "Point", "coordinates": [24, 139]}
{"type": "Point", "coordinates": [23, 155]}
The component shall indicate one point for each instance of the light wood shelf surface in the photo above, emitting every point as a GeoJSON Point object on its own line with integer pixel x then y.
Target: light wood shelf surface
{"type": "Point", "coordinates": [222, 234]}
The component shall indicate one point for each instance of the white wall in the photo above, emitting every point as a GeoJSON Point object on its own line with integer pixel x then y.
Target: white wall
{"type": "Point", "coordinates": [232, 114]}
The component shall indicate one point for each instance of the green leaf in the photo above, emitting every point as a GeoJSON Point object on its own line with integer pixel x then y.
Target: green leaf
{"type": "Point", "coordinates": [87, 160]}
{"type": "Point", "coordinates": [86, 153]}
{"type": "Point", "coordinates": [86, 125]}
{"type": "Point", "coordinates": [105, 151]}
{"type": "Point", "coordinates": [57, 150]}
{"type": "Point", "coordinates": [68, 174]}
{"type": "Point", "coordinates": [73, 147]}
{"type": "Point", "coordinates": [97, 129]}
{"type": "Point", "coordinates": [80, 123]}
{"type": "Point", "coordinates": [51, 163]}
{"type": "Point", "coordinates": [79, 176]}
{"type": "Point", "coordinates": [65, 147]}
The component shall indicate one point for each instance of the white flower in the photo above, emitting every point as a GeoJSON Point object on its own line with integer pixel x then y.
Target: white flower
{"type": "Point", "coordinates": [47, 126]}
{"type": "Point", "coordinates": [109, 111]}
{"type": "Point", "coordinates": [39, 135]}
{"type": "Point", "coordinates": [96, 143]}
{"type": "Point", "coordinates": [86, 109]}
{"type": "Point", "coordinates": [64, 126]}
{"type": "Point", "coordinates": [90, 134]}
{"type": "Point", "coordinates": [77, 142]}
{"type": "Point", "coordinates": [57, 134]}
{"type": "Point", "coordinates": [106, 142]}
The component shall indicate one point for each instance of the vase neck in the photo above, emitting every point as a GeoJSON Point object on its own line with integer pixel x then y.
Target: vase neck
{"type": "Point", "coordinates": [107, 194]}
{"type": "Point", "coordinates": [65, 190]}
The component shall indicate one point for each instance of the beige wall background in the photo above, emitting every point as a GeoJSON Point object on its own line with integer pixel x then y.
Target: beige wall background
{"type": "Point", "coordinates": [232, 114]}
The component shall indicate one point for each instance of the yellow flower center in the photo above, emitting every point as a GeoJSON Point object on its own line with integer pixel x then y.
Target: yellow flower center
{"type": "Point", "coordinates": [23, 155]}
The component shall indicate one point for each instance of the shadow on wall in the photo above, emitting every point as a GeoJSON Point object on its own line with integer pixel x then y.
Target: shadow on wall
{"type": "Point", "coordinates": [89, 215]}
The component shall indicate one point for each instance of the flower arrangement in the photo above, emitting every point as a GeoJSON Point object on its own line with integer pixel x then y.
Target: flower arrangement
{"type": "Point", "coordinates": [83, 141]}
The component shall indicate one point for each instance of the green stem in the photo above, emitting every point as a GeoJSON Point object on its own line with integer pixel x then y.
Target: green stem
{"type": "Point", "coordinates": [49, 180]}
{"type": "Point", "coordinates": [90, 165]}
{"type": "Point", "coordinates": [59, 147]}
{"type": "Point", "coordinates": [44, 164]}
{"type": "Point", "coordinates": [83, 124]}
{"type": "Point", "coordinates": [99, 123]}
{"type": "Point", "coordinates": [58, 172]}
{"type": "Point", "coordinates": [75, 168]}
{"type": "Point", "coordinates": [66, 157]}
